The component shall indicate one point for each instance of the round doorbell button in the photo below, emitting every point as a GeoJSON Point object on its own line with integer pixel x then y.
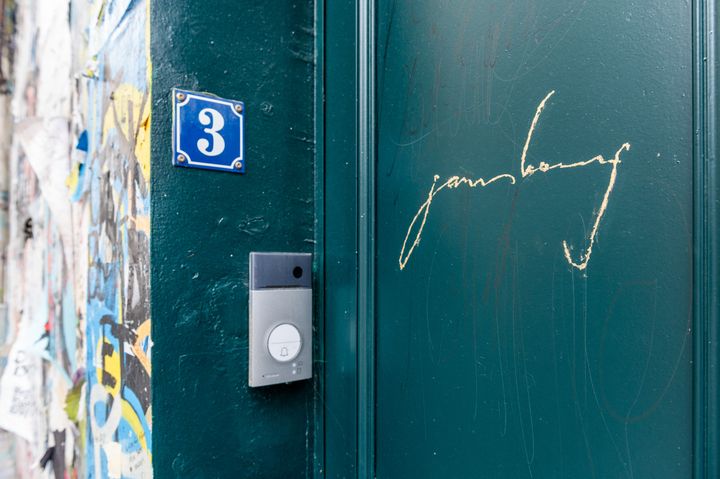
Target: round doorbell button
{"type": "Point", "coordinates": [284, 343]}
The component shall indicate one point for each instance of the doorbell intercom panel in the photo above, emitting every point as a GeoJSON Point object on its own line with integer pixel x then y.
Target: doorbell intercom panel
{"type": "Point", "coordinates": [280, 319]}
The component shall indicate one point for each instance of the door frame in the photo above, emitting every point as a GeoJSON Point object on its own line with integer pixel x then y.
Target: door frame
{"type": "Point", "coordinates": [345, 199]}
{"type": "Point", "coordinates": [706, 221]}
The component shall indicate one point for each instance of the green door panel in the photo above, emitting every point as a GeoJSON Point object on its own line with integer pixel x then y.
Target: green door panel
{"type": "Point", "coordinates": [534, 299]}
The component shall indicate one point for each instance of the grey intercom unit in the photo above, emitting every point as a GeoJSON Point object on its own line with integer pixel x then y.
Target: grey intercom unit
{"type": "Point", "coordinates": [280, 319]}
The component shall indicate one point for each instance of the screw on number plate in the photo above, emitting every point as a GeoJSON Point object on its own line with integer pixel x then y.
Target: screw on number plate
{"type": "Point", "coordinates": [239, 108]}
{"type": "Point", "coordinates": [180, 96]}
{"type": "Point", "coordinates": [238, 165]}
{"type": "Point", "coordinates": [181, 158]}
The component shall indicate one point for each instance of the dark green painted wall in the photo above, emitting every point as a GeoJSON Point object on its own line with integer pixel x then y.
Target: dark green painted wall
{"type": "Point", "coordinates": [207, 423]}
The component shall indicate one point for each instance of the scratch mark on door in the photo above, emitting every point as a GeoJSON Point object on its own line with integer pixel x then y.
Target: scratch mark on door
{"type": "Point", "coordinates": [417, 224]}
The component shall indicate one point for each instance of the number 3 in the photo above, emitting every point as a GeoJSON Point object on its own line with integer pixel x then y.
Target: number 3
{"type": "Point", "coordinates": [214, 122]}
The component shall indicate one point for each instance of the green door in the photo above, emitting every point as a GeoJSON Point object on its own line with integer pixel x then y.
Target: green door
{"type": "Point", "coordinates": [534, 268]}
{"type": "Point", "coordinates": [526, 228]}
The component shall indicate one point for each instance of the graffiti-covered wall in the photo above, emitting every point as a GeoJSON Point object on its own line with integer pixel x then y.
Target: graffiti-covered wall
{"type": "Point", "coordinates": [75, 384]}
{"type": "Point", "coordinates": [118, 322]}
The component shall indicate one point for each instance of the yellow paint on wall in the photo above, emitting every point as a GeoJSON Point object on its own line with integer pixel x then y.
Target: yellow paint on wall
{"type": "Point", "coordinates": [143, 333]}
{"type": "Point", "coordinates": [141, 223]}
{"type": "Point", "coordinates": [129, 113]}
{"type": "Point", "coordinates": [73, 178]}
{"type": "Point", "coordinates": [129, 415]}
{"type": "Point", "coordinates": [109, 364]}
{"type": "Point", "coordinates": [145, 157]}
{"type": "Point", "coordinates": [142, 147]}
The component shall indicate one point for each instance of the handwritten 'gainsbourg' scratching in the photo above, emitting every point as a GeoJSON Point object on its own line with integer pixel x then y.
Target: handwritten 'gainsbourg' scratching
{"type": "Point", "coordinates": [417, 224]}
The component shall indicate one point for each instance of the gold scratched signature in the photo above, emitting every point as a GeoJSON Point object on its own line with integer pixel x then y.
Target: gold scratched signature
{"type": "Point", "coordinates": [525, 170]}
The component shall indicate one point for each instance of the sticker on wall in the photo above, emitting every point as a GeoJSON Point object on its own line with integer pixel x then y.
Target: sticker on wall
{"type": "Point", "coordinates": [207, 132]}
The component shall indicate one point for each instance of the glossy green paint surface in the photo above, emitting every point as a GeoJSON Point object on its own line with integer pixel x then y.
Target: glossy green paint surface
{"type": "Point", "coordinates": [207, 423]}
{"type": "Point", "coordinates": [496, 357]}
{"type": "Point", "coordinates": [340, 393]}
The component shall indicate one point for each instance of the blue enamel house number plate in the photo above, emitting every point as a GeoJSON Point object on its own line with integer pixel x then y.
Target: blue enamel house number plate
{"type": "Point", "coordinates": [207, 132]}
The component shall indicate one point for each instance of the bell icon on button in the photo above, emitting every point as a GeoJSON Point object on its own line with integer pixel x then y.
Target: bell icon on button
{"type": "Point", "coordinates": [284, 343]}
